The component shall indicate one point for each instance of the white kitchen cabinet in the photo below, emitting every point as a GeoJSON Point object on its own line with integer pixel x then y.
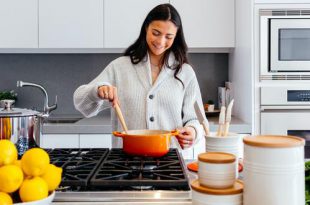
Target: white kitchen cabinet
{"type": "Point", "coordinates": [60, 141]}
{"type": "Point", "coordinates": [123, 20]}
{"type": "Point", "coordinates": [19, 24]}
{"type": "Point", "coordinates": [95, 141]}
{"type": "Point", "coordinates": [76, 141]}
{"type": "Point", "coordinates": [207, 23]}
{"type": "Point", "coordinates": [282, 1]}
{"type": "Point", "coordinates": [71, 23]}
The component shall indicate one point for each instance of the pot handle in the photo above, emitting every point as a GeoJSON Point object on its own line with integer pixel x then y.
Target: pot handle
{"type": "Point", "coordinates": [118, 134]}
{"type": "Point", "coordinates": [174, 132]}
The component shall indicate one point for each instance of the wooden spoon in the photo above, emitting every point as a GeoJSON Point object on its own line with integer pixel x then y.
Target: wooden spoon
{"type": "Point", "coordinates": [121, 118]}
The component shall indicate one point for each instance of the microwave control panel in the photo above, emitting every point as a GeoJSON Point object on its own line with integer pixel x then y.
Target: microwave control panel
{"type": "Point", "coordinates": [298, 95]}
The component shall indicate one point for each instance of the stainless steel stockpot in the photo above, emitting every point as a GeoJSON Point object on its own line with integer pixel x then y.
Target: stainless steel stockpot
{"type": "Point", "coordinates": [23, 126]}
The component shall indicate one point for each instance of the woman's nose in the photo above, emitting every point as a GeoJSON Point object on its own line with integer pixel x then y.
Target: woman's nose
{"type": "Point", "coordinates": [161, 40]}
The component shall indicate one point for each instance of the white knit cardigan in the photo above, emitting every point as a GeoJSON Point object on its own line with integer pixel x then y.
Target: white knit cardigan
{"type": "Point", "coordinates": [166, 101]}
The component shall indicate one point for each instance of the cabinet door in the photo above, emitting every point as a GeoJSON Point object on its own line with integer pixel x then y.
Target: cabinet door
{"type": "Point", "coordinates": [60, 141]}
{"type": "Point", "coordinates": [207, 23]}
{"type": "Point", "coordinates": [123, 20]}
{"type": "Point", "coordinates": [199, 147]}
{"type": "Point", "coordinates": [71, 24]}
{"type": "Point", "coordinates": [95, 141]}
{"type": "Point", "coordinates": [19, 23]}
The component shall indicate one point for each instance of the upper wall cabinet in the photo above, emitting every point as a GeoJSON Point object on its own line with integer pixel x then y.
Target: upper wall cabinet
{"type": "Point", "coordinates": [19, 24]}
{"type": "Point", "coordinates": [123, 20]}
{"type": "Point", "coordinates": [106, 25]}
{"type": "Point", "coordinates": [207, 23]}
{"type": "Point", "coordinates": [71, 24]}
{"type": "Point", "coordinates": [282, 1]}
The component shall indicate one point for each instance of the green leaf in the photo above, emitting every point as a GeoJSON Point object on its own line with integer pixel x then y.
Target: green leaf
{"type": "Point", "coordinates": [8, 95]}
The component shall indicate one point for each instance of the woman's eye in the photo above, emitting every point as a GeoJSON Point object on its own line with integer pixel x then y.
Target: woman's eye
{"type": "Point", "coordinates": [156, 33]}
{"type": "Point", "coordinates": [169, 37]}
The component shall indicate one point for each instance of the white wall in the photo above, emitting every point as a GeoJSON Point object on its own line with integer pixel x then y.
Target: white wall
{"type": "Point", "coordinates": [240, 62]}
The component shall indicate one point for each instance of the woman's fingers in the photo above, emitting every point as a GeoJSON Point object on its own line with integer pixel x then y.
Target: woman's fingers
{"type": "Point", "coordinates": [186, 136]}
{"type": "Point", "coordinates": [108, 93]}
{"type": "Point", "coordinates": [101, 92]}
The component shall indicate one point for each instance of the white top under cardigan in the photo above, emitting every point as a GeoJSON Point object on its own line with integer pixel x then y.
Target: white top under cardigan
{"type": "Point", "coordinates": [171, 105]}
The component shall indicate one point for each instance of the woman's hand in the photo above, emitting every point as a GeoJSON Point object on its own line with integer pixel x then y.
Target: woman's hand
{"type": "Point", "coordinates": [186, 136]}
{"type": "Point", "coordinates": [108, 93]}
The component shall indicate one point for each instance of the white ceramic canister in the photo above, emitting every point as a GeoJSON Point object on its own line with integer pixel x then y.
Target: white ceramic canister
{"type": "Point", "coordinates": [230, 144]}
{"type": "Point", "coordinates": [274, 170]}
{"type": "Point", "coordinates": [207, 196]}
{"type": "Point", "coordinates": [216, 169]}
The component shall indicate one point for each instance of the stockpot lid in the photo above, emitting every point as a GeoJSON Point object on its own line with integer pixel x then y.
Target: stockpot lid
{"type": "Point", "coordinates": [8, 111]}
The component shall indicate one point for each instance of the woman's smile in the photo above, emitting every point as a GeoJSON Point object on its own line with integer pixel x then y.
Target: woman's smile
{"type": "Point", "coordinates": [160, 36]}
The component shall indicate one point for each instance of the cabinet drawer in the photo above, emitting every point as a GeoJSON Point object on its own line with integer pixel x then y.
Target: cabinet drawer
{"type": "Point", "coordinates": [95, 141]}
{"type": "Point", "coordinates": [60, 141]}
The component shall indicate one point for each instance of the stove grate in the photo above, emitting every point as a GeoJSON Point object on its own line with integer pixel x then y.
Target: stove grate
{"type": "Point", "coordinates": [78, 164]}
{"type": "Point", "coordinates": [121, 170]}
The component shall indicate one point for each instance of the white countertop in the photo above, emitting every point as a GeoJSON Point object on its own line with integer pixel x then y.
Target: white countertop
{"type": "Point", "coordinates": [102, 124]}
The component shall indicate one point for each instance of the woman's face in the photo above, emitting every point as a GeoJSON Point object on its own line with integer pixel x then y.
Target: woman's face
{"type": "Point", "coordinates": [160, 36]}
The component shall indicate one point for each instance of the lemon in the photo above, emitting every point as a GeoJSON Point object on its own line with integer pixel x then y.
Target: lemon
{"type": "Point", "coordinates": [33, 189]}
{"type": "Point", "coordinates": [35, 162]}
{"type": "Point", "coordinates": [11, 177]}
{"type": "Point", "coordinates": [8, 152]}
{"type": "Point", "coordinates": [17, 163]}
{"type": "Point", "coordinates": [5, 199]}
{"type": "Point", "coordinates": [52, 176]}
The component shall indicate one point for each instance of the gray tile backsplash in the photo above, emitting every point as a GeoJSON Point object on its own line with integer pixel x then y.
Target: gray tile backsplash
{"type": "Point", "coordinates": [61, 74]}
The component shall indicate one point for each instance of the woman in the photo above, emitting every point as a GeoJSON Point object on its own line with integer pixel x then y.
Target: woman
{"type": "Point", "coordinates": [153, 82]}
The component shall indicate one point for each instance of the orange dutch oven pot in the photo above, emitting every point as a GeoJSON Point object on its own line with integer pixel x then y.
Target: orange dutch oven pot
{"type": "Point", "coordinates": [153, 143]}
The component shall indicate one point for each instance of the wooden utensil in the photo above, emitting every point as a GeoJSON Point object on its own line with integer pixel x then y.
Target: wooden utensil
{"type": "Point", "coordinates": [221, 121]}
{"type": "Point", "coordinates": [201, 118]}
{"type": "Point", "coordinates": [121, 118]}
{"type": "Point", "coordinates": [228, 117]}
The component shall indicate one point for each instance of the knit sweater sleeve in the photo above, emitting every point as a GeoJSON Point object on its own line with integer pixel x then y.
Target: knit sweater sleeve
{"type": "Point", "coordinates": [192, 94]}
{"type": "Point", "coordinates": [85, 97]}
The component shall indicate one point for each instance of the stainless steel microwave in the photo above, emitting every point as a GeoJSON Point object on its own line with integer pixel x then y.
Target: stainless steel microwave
{"type": "Point", "coordinates": [285, 44]}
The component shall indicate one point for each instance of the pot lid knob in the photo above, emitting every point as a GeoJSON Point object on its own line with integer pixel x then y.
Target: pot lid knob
{"type": "Point", "coordinates": [8, 104]}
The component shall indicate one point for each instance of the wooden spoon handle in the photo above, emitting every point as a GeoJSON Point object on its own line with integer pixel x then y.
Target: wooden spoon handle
{"type": "Point", "coordinates": [206, 128]}
{"type": "Point", "coordinates": [219, 130]}
{"type": "Point", "coordinates": [121, 117]}
{"type": "Point", "coordinates": [226, 129]}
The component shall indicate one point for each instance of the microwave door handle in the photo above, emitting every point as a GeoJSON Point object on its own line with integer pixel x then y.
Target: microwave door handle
{"type": "Point", "coordinates": [290, 108]}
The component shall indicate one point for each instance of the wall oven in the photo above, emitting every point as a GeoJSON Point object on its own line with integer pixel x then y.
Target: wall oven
{"type": "Point", "coordinates": [285, 44]}
{"type": "Point", "coordinates": [285, 110]}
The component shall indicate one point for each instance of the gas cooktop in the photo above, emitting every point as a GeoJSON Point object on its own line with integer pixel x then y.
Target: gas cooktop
{"type": "Point", "coordinates": [111, 174]}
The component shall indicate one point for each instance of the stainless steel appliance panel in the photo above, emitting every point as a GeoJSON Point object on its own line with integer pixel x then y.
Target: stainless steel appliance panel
{"type": "Point", "coordinates": [286, 95]}
{"type": "Point", "coordinates": [284, 44]}
{"type": "Point", "coordinates": [287, 122]}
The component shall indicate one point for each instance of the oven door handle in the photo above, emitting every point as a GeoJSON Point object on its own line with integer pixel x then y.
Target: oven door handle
{"type": "Point", "coordinates": [285, 108]}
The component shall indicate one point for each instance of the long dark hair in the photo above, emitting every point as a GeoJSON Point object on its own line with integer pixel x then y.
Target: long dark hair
{"type": "Point", "coordinates": [138, 50]}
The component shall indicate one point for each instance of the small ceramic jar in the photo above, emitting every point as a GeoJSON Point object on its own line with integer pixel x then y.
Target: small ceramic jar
{"type": "Point", "coordinates": [217, 169]}
{"type": "Point", "coordinates": [207, 196]}
{"type": "Point", "coordinates": [230, 144]}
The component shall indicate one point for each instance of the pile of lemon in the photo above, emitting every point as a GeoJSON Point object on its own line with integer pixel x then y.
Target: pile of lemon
{"type": "Point", "coordinates": [33, 177]}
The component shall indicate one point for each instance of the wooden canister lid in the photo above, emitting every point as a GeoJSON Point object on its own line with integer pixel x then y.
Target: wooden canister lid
{"type": "Point", "coordinates": [216, 157]}
{"type": "Point", "coordinates": [237, 188]}
{"type": "Point", "coordinates": [274, 141]}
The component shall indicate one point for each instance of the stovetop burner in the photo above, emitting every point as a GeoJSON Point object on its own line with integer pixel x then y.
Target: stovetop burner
{"type": "Point", "coordinates": [104, 169]}
{"type": "Point", "coordinates": [78, 164]}
{"type": "Point", "coordinates": [122, 170]}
